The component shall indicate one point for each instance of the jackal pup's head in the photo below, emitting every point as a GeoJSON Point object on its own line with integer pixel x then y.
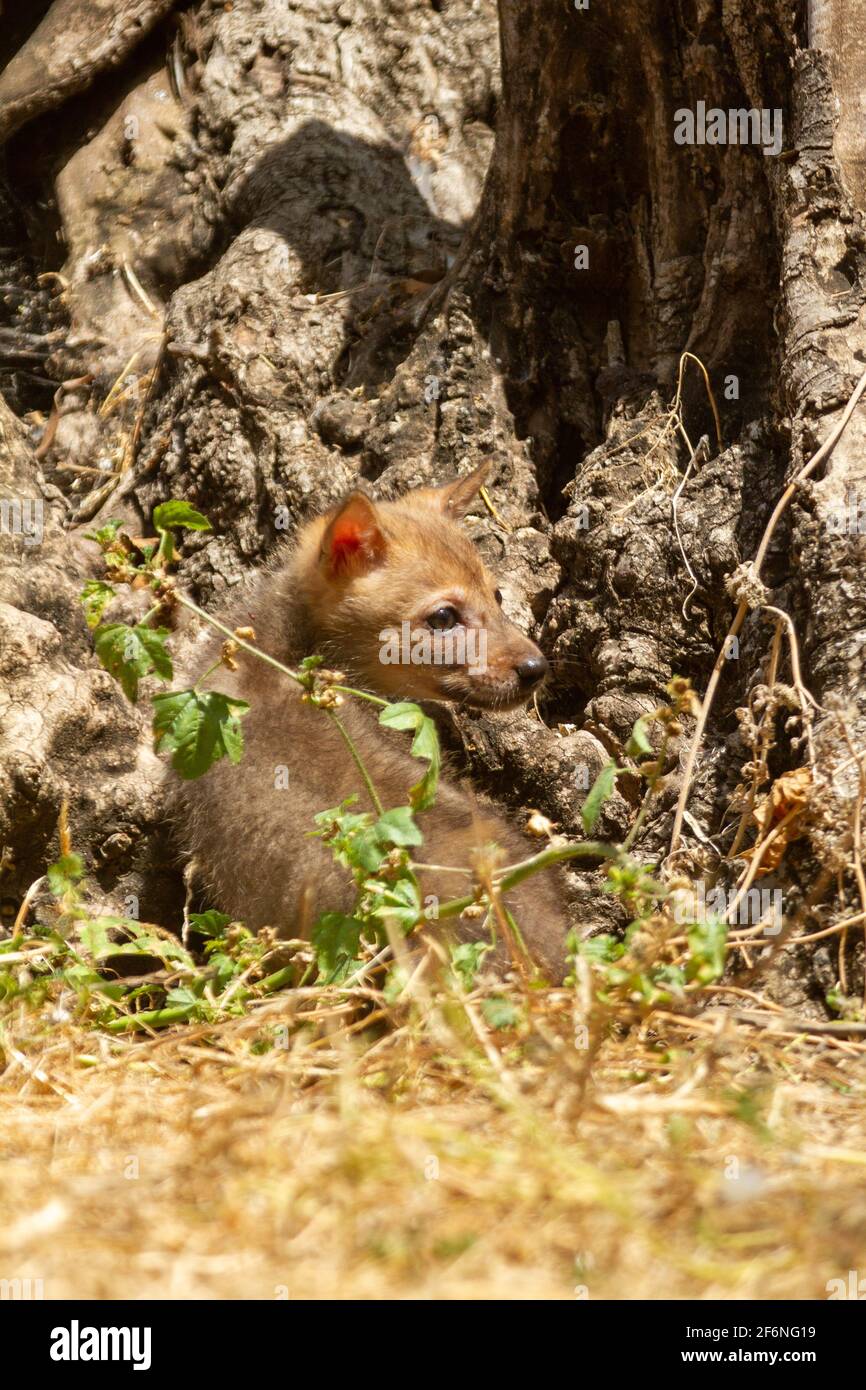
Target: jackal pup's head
{"type": "Point", "coordinates": [399, 597]}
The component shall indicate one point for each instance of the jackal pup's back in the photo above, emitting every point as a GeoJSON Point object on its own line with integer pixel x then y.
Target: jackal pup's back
{"type": "Point", "coordinates": [395, 595]}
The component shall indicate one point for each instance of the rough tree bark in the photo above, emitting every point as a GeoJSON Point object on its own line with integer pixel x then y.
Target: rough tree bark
{"type": "Point", "coordinates": [288, 233]}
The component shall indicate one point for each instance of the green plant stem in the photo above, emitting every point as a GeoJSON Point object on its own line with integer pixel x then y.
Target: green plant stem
{"type": "Point", "coordinates": [150, 1018]}
{"type": "Point", "coordinates": [362, 695]}
{"type": "Point", "coordinates": [555, 854]}
{"type": "Point", "coordinates": [358, 761]}
{"type": "Point", "coordinates": [164, 551]}
{"type": "Point", "coordinates": [647, 801]}
{"type": "Point", "coordinates": [227, 632]}
{"type": "Point", "coordinates": [208, 673]}
{"type": "Point", "coordinates": [278, 979]}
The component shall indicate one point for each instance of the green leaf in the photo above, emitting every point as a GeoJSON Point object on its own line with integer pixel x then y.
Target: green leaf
{"type": "Point", "coordinates": [400, 900]}
{"type": "Point", "coordinates": [351, 837]}
{"type": "Point", "coordinates": [83, 977]}
{"type": "Point", "coordinates": [225, 970]}
{"type": "Point", "coordinates": [145, 943]}
{"type": "Point", "coordinates": [181, 997]}
{"type": "Point", "coordinates": [398, 827]}
{"type": "Point", "coordinates": [639, 745]}
{"type": "Point", "coordinates": [128, 653]}
{"type": "Point", "coordinates": [211, 923]}
{"type": "Point", "coordinates": [198, 727]}
{"type": "Point", "coordinates": [425, 744]}
{"type": "Point", "coordinates": [706, 961]}
{"type": "Point", "coordinates": [338, 814]}
{"type": "Point", "coordinates": [105, 535]}
{"type": "Point", "coordinates": [402, 715]}
{"type": "Point", "coordinates": [599, 792]}
{"type": "Point", "coordinates": [500, 1012]}
{"type": "Point", "coordinates": [670, 975]}
{"type": "Point", "coordinates": [65, 874]}
{"type": "Point", "coordinates": [152, 640]}
{"type": "Point", "coordinates": [96, 596]}
{"type": "Point", "coordinates": [94, 937]}
{"type": "Point", "coordinates": [467, 959]}
{"type": "Point", "coordinates": [177, 513]}
{"type": "Point", "coordinates": [336, 940]}
{"type": "Point", "coordinates": [844, 1005]}
{"type": "Point", "coordinates": [603, 948]}
{"type": "Point", "coordinates": [395, 982]}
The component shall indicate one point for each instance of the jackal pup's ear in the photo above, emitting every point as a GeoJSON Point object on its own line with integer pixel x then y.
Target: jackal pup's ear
{"type": "Point", "coordinates": [353, 542]}
{"type": "Point", "coordinates": [455, 499]}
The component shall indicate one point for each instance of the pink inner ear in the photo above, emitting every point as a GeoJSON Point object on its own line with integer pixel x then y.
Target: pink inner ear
{"type": "Point", "coordinates": [346, 542]}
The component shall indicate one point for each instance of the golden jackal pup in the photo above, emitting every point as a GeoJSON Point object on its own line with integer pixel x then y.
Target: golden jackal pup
{"type": "Point", "coordinates": [376, 589]}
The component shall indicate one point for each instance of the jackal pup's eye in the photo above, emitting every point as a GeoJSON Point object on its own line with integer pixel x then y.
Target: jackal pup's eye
{"type": "Point", "coordinates": [497, 594]}
{"type": "Point", "coordinates": [442, 618]}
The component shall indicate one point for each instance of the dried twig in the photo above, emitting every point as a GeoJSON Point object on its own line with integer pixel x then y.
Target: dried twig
{"type": "Point", "coordinates": [755, 569]}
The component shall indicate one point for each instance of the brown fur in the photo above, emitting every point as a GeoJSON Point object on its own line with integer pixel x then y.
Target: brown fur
{"type": "Point", "coordinates": [351, 575]}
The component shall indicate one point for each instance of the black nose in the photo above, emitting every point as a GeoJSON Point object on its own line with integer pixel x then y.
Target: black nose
{"type": "Point", "coordinates": [532, 670]}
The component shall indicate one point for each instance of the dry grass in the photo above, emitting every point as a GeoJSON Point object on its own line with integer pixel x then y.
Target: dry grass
{"type": "Point", "coordinates": [417, 1163]}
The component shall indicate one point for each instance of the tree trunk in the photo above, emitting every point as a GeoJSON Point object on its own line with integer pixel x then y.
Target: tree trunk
{"type": "Point", "coordinates": [289, 231]}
